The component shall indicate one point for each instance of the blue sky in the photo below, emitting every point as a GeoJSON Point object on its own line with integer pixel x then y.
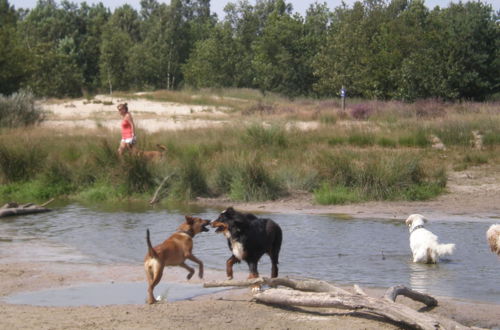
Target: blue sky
{"type": "Point", "coordinates": [218, 5]}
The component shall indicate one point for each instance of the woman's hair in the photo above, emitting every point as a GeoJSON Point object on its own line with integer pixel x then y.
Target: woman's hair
{"type": "Point", "coordinates": [123, 106]}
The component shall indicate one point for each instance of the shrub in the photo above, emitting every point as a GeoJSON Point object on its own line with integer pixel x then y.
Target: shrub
{"type": "Point", "coordinates": [362, 111]}
{"type": "Point", "coordinates": [379, 176]}
{"type": "Point", "coordinates": [189, 181]}
{"type": "Point", "coordinates": [223, 176]}
{"type": "Point", "coordinates": [19, 164]}
{"type": "Point", "coordinates": [252, 182]}
{"type": "Point", "coordinates": [20, 110]}
{"type": "Point", "coordinates": [57, 179]}
{"type": "Point", "coordinates": [431, 108]}
{"type": "Point", "coordinates": [137, 175]}
{"type": "Point", "coordinates": [260, 136]}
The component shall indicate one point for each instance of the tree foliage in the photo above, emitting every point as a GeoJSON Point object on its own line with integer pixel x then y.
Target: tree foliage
{"type": "Point", "coordinates": [394, 49]}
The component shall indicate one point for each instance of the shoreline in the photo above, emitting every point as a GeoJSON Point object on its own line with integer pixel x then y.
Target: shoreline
{"type": "Point", "coordinates": [234, 306]}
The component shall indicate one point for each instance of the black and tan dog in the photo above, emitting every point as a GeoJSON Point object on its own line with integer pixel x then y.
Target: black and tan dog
{"type": "Point", "coordinates": [249, 238]}
{"type": "Point", "coordinates": [173, 252]}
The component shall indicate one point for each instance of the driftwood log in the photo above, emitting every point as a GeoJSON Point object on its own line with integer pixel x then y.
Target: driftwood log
{"type": "Point", "coordinates": [315, 293]}
{"type": "Point", "coordinates": [14, 208]}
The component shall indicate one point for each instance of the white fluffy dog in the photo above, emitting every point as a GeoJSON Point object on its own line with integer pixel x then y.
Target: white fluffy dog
{"type": "Point", "coordinates": [493, 236]}
{"type": "Point", "coordinates": [424, 244]}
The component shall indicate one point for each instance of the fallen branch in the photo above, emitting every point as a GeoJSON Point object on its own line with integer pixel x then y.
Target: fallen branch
{"type": "Point", "coordinates": [13, 208]}
{"type": "Point", "coordinates": [397, 290]}
{"type": "Point", "coordinates": [244, 283]}
{"type": "Point", "coordinates": [156, 197]}
{"type": "Point", "coordinates": [324, 294]}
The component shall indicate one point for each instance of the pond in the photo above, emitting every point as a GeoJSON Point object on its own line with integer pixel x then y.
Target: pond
{"type": "Point", "coordinates": [367, 252]}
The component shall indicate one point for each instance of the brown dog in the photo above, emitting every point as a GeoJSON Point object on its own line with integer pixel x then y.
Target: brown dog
{"type": "Point", "coordinates": [173, 252]}
{"type": "Point", "coordinates": [152, 154]}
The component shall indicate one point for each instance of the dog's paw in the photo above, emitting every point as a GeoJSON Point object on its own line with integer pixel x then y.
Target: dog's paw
{"type": "Point", "coordinates": [189, 275]}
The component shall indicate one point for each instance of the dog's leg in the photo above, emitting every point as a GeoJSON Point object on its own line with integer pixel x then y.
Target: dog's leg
{"type": "Point", "coordinates": [157, 274]}
{"type": "Point", "coordinates": [199, 262]}
{"type": "Point", "coordinates": [229, 266]}
{"type": "Point", "coordinates": [274, 267]}
{"type": "Point", "coordinates": [189, 269]}
{"type": "Point", "coordinates": [254, 273]}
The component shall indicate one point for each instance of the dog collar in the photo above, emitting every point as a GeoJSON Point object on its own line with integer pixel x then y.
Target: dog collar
{"type": "Point", "coordinates": [189, 233]}
{"type": "Point", "coordinates": [417, 227]}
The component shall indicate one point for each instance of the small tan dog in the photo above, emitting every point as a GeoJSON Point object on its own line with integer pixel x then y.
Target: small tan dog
{"type": "Point", "coordinates": [151, 155]}
{"type": "Point", "coordinates": [493, 237]}
{"type": "Point", "coordinates": [173, 252]}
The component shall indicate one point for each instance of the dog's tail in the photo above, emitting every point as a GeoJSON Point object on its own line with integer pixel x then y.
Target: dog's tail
{"type": "Point", "coordinates": [151, 252]}
{"type": "Point", "coordinates": [444, 249]}
{"type": "Point", "coordinates": [161, 147]}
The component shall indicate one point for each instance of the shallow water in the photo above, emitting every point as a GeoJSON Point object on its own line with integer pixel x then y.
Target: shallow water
{"type": "Point", "coordinates": [368, 252]}
{"type": "Point", "coordinates": [108, 294]}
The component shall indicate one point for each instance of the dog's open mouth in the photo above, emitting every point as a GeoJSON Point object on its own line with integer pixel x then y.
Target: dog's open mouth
{"type": "Point", "coordinates": [204, 227]}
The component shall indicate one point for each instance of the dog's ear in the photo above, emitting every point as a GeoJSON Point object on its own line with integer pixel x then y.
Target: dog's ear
{"type": "Point", "coordinates": [409, 220]}
{"type": "Point", "coordinates": [229, 211]}
{"type": "Point", "coordinates": [189, 220]}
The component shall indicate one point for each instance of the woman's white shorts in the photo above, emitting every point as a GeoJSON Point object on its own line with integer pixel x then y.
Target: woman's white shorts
{"type": "Point", "coordinates": [131, 140]}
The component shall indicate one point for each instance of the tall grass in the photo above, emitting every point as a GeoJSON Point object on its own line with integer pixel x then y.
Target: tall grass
{"type": "Point", "coordinates": [259, 136]}
{"type": "Point", "coordinates": [387, 156]}
{"type": "Point", "coordinates": [20, 163]}
{"type": "Point", "coordinates": [377, 176]}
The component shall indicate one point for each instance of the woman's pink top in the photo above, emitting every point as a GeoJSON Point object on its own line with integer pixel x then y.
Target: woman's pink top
{"type": "Point", "coordinates": [126, 129]}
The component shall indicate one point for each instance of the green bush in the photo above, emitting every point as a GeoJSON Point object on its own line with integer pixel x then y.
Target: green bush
{"type": "Point", "coordinates": [137, 175]}
{"type": "Point", "coordinates": [251, 182]}
{"type": "Point", "coordinates": [20, 110]}
{"type": "Point", "coordinates": [376, 175]}
{"type": "Point", "coordinates": [20, 163]}
{"type": "Point", "coordinates": [259, 136]}
{"type": "Point", "coordinates": [189, 181]}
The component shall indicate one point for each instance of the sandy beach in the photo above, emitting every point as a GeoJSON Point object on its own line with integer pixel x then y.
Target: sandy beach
{"type": "Point", "coordinates": [471, 193]}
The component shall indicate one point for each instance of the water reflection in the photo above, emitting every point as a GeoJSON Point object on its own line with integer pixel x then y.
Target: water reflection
{"type": "Point", "coordinates": [367, 252]}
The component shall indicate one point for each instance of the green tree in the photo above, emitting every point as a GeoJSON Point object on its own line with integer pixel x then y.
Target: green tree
{"type": "Point", "coordinates": [118, 37]}
{"type": "Point", "coordinates": [281, 54]}
{"type": "Point", "coordinates": [14, 57]}
{"type": "Point", "coordinates": [213, 61]}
